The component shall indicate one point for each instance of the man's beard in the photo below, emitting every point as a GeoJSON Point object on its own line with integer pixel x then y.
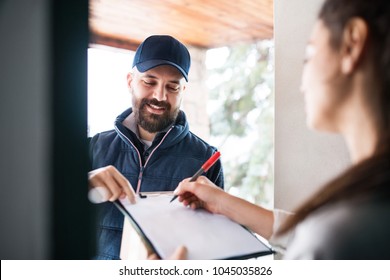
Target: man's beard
{"type": "Point", "coordinates": [152, 122]}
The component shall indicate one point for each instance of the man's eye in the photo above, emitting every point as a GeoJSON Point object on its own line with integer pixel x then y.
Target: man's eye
{"type": "Point", "coordinates": [175, 89]}
{"type": "Point", "coordinates": [148, 82]}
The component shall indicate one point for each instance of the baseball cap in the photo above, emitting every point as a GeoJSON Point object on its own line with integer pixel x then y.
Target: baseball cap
{"type": "Point", "coordinates": [159, 50]}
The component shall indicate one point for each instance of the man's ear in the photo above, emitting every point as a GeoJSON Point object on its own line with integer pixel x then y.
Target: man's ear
{"type": "Point", "coordinates": [353, 44]}
{"type": "Point", "coordinates": [129, 79]}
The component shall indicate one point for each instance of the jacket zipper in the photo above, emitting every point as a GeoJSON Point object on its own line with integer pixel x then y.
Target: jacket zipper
{"type": "Point", "coordinates": [139, 155]}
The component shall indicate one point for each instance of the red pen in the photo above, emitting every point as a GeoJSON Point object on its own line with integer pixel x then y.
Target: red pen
{"type": "Point", "coordinates": [206, 166]}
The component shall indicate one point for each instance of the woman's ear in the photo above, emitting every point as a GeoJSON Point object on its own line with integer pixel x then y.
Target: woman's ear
{"type": "Point", "coordinates": [353, 44]}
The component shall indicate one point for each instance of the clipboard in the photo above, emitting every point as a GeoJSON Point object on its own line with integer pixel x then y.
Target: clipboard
{"type": "Point", "coordinates": [163, 226]}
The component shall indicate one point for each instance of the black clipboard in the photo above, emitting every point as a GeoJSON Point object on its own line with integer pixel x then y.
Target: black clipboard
{"type": "Point", "coordinates": [164, 226]}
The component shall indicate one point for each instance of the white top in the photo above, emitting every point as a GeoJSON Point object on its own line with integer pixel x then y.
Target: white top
{"type": "Point", "coordinates": [279, 243]}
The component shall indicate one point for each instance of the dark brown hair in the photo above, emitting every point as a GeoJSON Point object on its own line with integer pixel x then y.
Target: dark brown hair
{"type": "Point", "coordinates": [371, 175]}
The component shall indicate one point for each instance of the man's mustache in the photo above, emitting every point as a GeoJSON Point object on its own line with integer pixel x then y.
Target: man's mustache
{"type": "Point", "coordinates": [155, 102]}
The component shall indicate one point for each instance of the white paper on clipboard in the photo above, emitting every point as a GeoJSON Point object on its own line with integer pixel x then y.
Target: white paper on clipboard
{"type": "Point", "coordinates": [168, 225]}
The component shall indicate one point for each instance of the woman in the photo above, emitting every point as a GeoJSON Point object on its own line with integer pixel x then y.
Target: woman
{"type": "Point", "coordinates": [346, 84]}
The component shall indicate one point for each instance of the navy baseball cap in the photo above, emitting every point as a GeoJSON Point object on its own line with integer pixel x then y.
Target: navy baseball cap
{"type": "Point", "coordinates": [159, 50]}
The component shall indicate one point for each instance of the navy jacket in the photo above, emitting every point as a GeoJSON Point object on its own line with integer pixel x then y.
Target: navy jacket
{"type": "Point", "coordinates": [173, 156]}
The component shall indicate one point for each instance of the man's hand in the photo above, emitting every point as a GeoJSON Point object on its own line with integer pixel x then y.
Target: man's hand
{"type": "Point", "coordinates": [179, 254]}
{"type": "Point", "coordinates": [114, 184]}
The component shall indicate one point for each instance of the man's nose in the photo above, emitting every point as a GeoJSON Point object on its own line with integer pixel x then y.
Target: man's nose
{"type": "Point", "coordinates": [160, 93]}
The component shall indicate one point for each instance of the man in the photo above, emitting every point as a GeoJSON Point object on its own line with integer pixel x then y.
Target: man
{"type": "Point", "coordinates": [151, 147]}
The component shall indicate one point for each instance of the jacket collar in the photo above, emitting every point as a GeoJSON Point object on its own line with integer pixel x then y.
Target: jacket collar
{"type": "Point", "coordinates": [177, 131]}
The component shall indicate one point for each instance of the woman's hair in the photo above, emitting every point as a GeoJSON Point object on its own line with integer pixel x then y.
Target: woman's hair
{"type": "Point", "coordinates": [335, 14]}
{"type": "Point", "coordinates": [374, 173]}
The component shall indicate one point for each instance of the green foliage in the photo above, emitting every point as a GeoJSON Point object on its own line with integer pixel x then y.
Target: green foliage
{"type": "Point", "coordinates": [243, 119]}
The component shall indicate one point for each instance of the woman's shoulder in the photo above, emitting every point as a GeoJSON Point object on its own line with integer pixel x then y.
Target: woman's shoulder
{"type": "Point", "coordinates": [349, 229]}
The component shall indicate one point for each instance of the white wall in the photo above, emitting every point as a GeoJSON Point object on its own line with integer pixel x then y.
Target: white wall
{"type": "Point", "coordinates": [304, 159]}
{"type": "Point", "coordinates": [194, 102]}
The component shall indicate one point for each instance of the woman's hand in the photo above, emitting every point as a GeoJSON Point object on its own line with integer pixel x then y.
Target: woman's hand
{"type": "Point", "coordinates": [200, 194]}
{"type": "Point", "coordinates": [203, 193]}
